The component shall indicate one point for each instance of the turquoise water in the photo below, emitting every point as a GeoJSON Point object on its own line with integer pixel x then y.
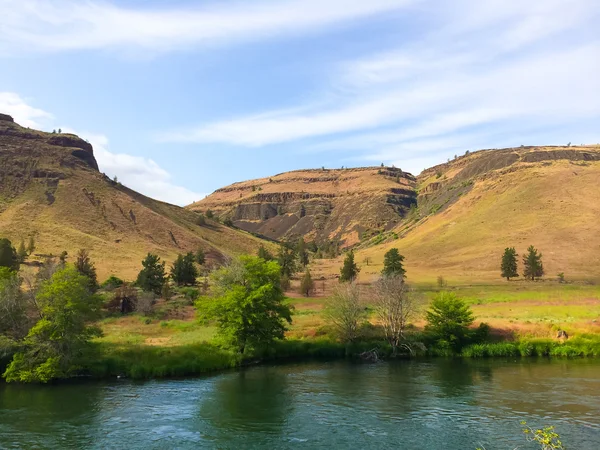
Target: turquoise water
{"type": "Point", "coordinates": [432, 404]}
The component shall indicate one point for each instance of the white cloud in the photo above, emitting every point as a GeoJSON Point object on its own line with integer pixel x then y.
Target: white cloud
{"type": "Point", "coordinates": [494, 64]}
{"type": "Point", "coordinates": [57, 25]}
{"type": "Point", "coordinates": [136, 172]}
{"type": "Point", "coordinates": [24, 114]}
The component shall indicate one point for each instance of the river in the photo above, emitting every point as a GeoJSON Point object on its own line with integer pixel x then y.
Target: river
{"type": "Point", "coordinates": [426, 404]}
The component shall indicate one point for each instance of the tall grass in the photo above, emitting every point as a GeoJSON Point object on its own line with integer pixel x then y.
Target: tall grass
{"type": "Point", "coordinates": [584, 346]}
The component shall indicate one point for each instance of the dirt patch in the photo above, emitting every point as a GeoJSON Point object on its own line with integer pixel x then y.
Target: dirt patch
{"type": "Point", "coordinates": [157, 341]}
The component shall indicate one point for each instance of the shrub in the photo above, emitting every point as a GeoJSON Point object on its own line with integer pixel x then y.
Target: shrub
{"type": "Point", "coordinates": [112, 283]}
{"type": "Point", "coordinates": [448, 321]}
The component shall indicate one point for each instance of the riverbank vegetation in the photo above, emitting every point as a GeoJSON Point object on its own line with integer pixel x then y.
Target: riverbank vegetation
{"type": "Point", "coordinates": [57, 321]}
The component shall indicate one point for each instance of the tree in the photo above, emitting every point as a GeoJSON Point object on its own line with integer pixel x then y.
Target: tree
{"type": "Point", "coordinates": [183, 270]}
{"type": "Point", "coordinates": [8, 255]}
{"type": "Point", "coordinates": [209, 214]}
{"type": "Point", "coordinates": [264, 253]}
{"type": "Point", "coordinates": [14, 322]}
{"type": "Point", "coordinates": [533, 264]}
{"type": "Point", "coordinates": [63, 257]}
{"type": "Point", "coordinates": [302, 252]}
{"type": "Point", "coordinates": [307, 285]}
{"type": "Point", "coordinates": [395, 306]}
{"type": "Point", "coordinates": [349, 270]}
{"type": "Point", "coordinates": [287, 260]}
{"type": "Point", "coordinates": [22, 252]}
{"type": "Point", "coordinates": [85, 266]}
{"type": "Point", "coordinates": [248, 305]}
{"type": "Point", "coordinates": [448, 320]}
{"type": "Point", "coordinates": [166, 292]}
{"type": "Point", "coordinates": [392, 264]}
{"type": "Point", "coordinates": [345, 312]}
{"type": "Point", "coordinates": [152, 277]}
{"type": "Point", "coordinates": [31, 246]}
{"type": "Point", "coordinates": [53, 347]}
{"type": "Point", "coordinates": [508, 266]}
{"type": "Point", "coordinates": [200, 256]}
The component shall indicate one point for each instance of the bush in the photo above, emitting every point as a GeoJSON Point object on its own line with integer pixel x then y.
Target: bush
{"type": "Point", "coordinates": [112, 283]}
{"type": "Point", "coordinates": [448, 321]}
{"type": "Point", "coordinates": [190, 293]}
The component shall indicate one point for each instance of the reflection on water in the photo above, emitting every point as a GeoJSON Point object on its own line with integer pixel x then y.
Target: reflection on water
{"type": "Point", "coordinates": [433, 404]}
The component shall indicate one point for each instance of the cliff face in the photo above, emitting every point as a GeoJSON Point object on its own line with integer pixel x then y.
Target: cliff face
{"type": "Point", "coordinates": [322, 205]}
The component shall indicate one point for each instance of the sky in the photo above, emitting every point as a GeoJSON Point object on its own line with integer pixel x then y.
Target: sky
{"type": "Point", "coordinates": [180, 98]}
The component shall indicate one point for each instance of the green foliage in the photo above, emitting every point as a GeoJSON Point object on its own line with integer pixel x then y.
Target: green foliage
{"type": "Point", "coordinates": [264, 253]}
{"type": "Point", "coordinates": [228, 222]}
{"type": "Point", "coordinates": [22, 252]}
{"type": "Point", "coordinates": [345, 312]}
{"type": "Point", "coordinates": [285, 282]}
{"type": "Point", "coordinates": [152, 277]}
{"type": "Point", "coordinates": [307, 285]}
{"type": "Point", "coordinates": [302, 252]}
{"type": "Point", "coordinates": [561, 277]}
{"type": "Point", "coordinates": [508, 265]}
{"type": "Point", "coordinates": [209, 214]}
{"type": "Point", "coordinates": [85, 267]}
{"type": "Point", "coordinates": [200, 256]}
{"type": "Point", "coordinates": [166, 292]}
{"type": "Point", "coordinates": [8, 255]}
{"type": "Point", "coordinates": [183, 270]}
{"type": "Point", "coordinates": [533, 264]}
{"type": "Point", "coordinates": [546, 437]}
{"type": "Point", "coordinates": [53, 347]}
{"type": "Point", "coordinates": [200, 221]}
{"type": "Point", "coordinates": [190, 293]}
{"type": "Point", "coordinates": [287, 260]}
{"type": "Point", "coordinates": [349, 270]}
{"type": "Point", "coordinates": [249, 310]}
{"type": "Point", "coordinates": [392, 263]}
{"type": "Point", "coordinates": [448, 321]}
{"type": "Point", "coordinates": [14, 321]}
{"type": "Point", "coordinates": [112, 283]}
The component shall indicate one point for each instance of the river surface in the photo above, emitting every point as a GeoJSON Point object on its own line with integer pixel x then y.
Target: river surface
{"type": "Point", "coordinates": [431, 404]}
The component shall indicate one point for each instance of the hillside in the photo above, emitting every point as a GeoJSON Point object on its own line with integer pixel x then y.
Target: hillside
{"type": "Point", "coordinates": [51, 188]}
{"type": "Point", "coordinates": [323, 205]}
{"type": "Point", "coordinates": [471, 208]}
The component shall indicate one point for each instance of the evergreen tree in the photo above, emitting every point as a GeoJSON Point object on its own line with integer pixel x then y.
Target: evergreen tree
{"type": "Point", "coordinates": [31, 246]}
{"type": "Point", "coordinates": [533, 264]}
{"type": "Point", "coordinates": [392, 264]}
{"type": "Point", "coordinates": [85, 266]}
{"type": "Point", "coordinates": [152, 277]}
{"type": "Point", "coordinates": [183, 270]}
{"type": "Point", "coordinates": [302, 252]}
{"type": "Point", "coordinates": [287, 260]}
{"type": "Point", "coordinates": [22, 252]}
{"type": "Point", "coordinates": [209, 214]}
{"type": "Point", "coordinates": [264, 253]}
{"type": "Point", "coordinates": [307, 285]}
{"type": "Point", "coordinates": [508, 266]}
{"type": "Point", "coordinates": [349, 270]}
{"type": "Point", "coordinates": [200, 256]}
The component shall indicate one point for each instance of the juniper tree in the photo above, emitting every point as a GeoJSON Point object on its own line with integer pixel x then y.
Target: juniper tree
{"type": "Point", "coordinates": [307, 285]}
{"type": "Point", "coordinates": [392, 264]}
{"type": "Point", "coordinates": [533, 264]}
{"type": "Point", "coordinates": [509, 263]}
{"type": "Point", "coordinates": [349, 270]}
{"type": "Point", "coordinates": [85, 266]}
{"type": "Point", "coordinates": [152, 277]}
{"type": "Point", "coordinates": [302, 252]}
{"type": "Point", "coordinates": [183, 270]}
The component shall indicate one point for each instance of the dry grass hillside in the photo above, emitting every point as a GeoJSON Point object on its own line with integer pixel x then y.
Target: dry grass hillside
{"type": "Point", "coordinates": [323, 205]}
{"type": "Point", "coordinates": [50, 188]}
{"type": "Point", "coordinates": [471, 208]}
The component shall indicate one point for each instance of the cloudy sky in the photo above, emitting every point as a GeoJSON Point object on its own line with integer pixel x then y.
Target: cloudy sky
{"type": "Point", "coordinates": [182, 97]}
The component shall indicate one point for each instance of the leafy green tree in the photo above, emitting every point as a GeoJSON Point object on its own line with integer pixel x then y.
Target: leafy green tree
{"type": "Point", "coordinates": [22, 252]}
{"type": "Point", "coordinates": [533, 264]}
{"type": "Point", "coordinates": [287, 260]}
{"type": "Point", "coordinates": [85, 266]}
{"type": "Point", "coordinates": [8, 255]}
{"type": "Point", "coordinates": [448, 320]}
{"type": "Point", "coordinates": [392, 263]}
{"type": "Point", "coordinates": [264, 253]}
{"type": "Point", "coordinates": [248, 307]}
{"type": "Point", "coordinates": [508, 266]}
{"type": "Point", "coordinates": [152, 277]}
{"type": "Point", "coordinates": [183, 270]}
{"type": "Point", "coordinates": [53, 347]}
{"type": "Point", "coordinates": [200, 256]}
{"type": "Point", "coordinates": [31, 246]}
{"type": "Point", "coordinates": [349, 270]}
{"type": "Point", "coordinates": [14, 320]}
{"type": "Point", "coordinates": [307, 285]}
{"type": "Point", "coordinates": [302, 252]}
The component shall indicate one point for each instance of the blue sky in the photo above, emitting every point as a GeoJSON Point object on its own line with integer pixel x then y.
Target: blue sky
{"type": "Point", "coordinates": [180, 98]}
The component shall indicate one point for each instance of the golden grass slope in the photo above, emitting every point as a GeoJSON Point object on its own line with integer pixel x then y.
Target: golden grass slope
{"type": "Point", "coordinates": [66, 204]}
{"type": "Point", "coordinates": [548, 197]}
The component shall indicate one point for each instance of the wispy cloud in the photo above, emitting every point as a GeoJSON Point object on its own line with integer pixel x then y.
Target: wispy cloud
{"type": "Point", "coordinates": [473, 65]}
{"type": "Point", "coordinates": [58, 25]}
{"type": "Point", "coordinates": [136, 172]}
